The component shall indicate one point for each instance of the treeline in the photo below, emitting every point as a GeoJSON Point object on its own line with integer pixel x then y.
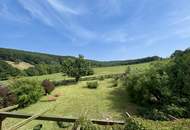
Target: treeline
{"type": "Point", "coordinates": [41, 58]}
{"type": "Point", "coordinates": [7, 70]}
{"type": "Point", "coordinates": [125, 62]}
{"type": "Point", "coordinates": [30, 57]}
{"type": "Point", "coordinates": [49, 64]}
{"type": "Point", "coordinates": [72, 67]}
{"type": "Point", "coordinates": [26, 92]}
{"type": "Point", "coordinates": [164, 90]}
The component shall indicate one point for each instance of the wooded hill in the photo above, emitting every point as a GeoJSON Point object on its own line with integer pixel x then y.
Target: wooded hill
{"type": "Point", "coordinates": [42, 58]}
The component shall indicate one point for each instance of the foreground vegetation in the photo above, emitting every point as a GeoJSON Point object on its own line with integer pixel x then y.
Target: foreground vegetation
{"type": "Point", "coordinates": [105, 102]}
{"type": "Point", "coordinates": [158, 91]}
{"type": "Point", "coordinates": [164, 89]}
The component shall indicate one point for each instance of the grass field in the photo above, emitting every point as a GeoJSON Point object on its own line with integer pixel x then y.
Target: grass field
{"type": "Point", "coordinates": [102, 103]}
{"type": "Point", "coordinates": [97, 71]}
{"type": "Point", "coordinates": [105, 102]}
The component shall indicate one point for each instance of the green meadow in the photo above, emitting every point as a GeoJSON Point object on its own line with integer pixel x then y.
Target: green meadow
{"type": "Point", "coordinates": [105, 102]}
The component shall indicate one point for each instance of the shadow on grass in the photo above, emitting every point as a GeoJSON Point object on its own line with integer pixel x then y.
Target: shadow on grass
{"type": "Point", "coordinates": [121, 101]}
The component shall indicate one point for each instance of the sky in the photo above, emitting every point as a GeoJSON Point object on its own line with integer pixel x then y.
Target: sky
{"type": "Point", "coordinates": [97, 29]}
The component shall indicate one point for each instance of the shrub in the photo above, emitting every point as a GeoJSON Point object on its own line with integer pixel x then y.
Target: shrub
{"type": "Point", "coordinates": [32, 71]}
{"type": "Point", "coordinates": [90, 71]}
{"type": "Point", "coordinates": [64, 82]}
{"type": "Point", "coordinates": [7, 71]}
{"type": "Point", "coordinates": [179, 73]}
{"type": "Point", "coordinates": [27, 91]}
{"type": "Point", "coordinates": [48, 86]}
{"type": "Point", "coordinates": [176, 111]}
{"type": "Point", "coordinates": [132, 124]}
{"type": "Point", "coordinates": [43, 69]}
{"type": "Point", "coordinates": [7, 98]}
{"type": "Point", "coordinates": [164, 88]}
{"type": "Point", "coordinates": [92, 85]}
{"type": "Point", "coordinates": [151, 87]}
{"type": "Point", "coordinates": [101, 78]}
{"type": "Point", "coordinates": [153, 114]}
{"type": "Point", "coordinates": [84, 124]}
{"type": "Point", "coordinates": [115, 82]}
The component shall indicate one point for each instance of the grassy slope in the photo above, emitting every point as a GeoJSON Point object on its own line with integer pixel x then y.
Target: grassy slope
{"type": "Point", "coordinates": [105, 102]}
{"type": "Point", "coordinates": [98, 71]}
{"type": "Point", "coordinates": [20, 65]}
{"type": "Point", "coordinates": [120, 69]}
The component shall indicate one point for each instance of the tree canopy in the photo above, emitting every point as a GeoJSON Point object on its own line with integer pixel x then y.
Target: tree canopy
{"type": "Point", "coordinates": [77, 68]}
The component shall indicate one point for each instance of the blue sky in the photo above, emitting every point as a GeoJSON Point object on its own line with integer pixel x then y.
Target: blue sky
{"type": "Point", "coordinates": [98, 29]}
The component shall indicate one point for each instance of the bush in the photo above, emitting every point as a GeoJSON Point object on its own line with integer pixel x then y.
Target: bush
{"type": "Point", "coordinates": [179, 73]}
{"type": "Point", "coordinates": [92, 85]}
{"type": "Point", "coordinates": [84, 124]}
{"type": "Point", "coordinates": [101, 78]}
{"type": "Point", "coordinates": [151, 90]}
{"type": "Point", "coordinates": [115, 82]}
{"type": "Point", "coordinates": [64, 82]}
{"type": "Point", "coordinates": [43, 69]}
{"type": "Point", "coordinates": [48, 86]}
{"type": "Point", "coordinates": [7, 71]}
{"type": "Point", "coordinates": [132, 124]}
{"type": "Point", "coordinates": [176, 111]}
{"type": "Point", "coordinates": [151, 87]}
{"type": "Point", "coordinates": [153, 114]}
{"type": "Point", "coordinates": [164, 88]}
{"type": "Point", "coordinates": [7, 98]}
{"type": "Point", "coordinates": [27, 91]}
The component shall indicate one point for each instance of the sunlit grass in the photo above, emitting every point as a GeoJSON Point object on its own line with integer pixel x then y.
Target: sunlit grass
{"type": "Point", "coordinates": [105, 102]}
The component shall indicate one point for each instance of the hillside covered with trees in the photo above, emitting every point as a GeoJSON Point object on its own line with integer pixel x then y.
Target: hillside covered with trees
{"type": "Point", "coordinates": [42, 58]}
{"type": "Point", "coordinates": [42, 64]}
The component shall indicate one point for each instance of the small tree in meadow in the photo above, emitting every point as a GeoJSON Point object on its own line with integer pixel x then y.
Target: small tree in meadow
{"type": "Point", "coordinates": [77, 68]}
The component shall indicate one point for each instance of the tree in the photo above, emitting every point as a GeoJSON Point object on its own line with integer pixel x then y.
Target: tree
{"type": "Point", "coordinates": [77, 68]}
{"type": "Point", "coordinates": [7, 71]}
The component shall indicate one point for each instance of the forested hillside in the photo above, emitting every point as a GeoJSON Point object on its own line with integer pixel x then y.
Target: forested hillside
{"type": "Point", "coordinates": [43, 64]}
{"type": "Point", "coordinates": [30, 57]}
{"type": "Point", "coordinates": [41, 58]}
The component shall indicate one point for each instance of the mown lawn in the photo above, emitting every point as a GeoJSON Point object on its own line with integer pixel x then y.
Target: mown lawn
{"type": "Point", "coordinates": [105, 102]}
{"type": "Point", "coordinates": [101, 103]}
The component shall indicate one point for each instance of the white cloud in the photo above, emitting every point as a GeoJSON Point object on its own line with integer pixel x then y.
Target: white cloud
{"type": "Point", "coordinates": [38, 10]}
{"type": "Point", "coordinates": [6, 13]}
{"type": "Point", "coordinates": [59, 6]}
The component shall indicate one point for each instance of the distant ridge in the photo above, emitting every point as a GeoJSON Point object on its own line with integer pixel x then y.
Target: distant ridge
{"type": "Point", "coordinates": [43, 58]}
